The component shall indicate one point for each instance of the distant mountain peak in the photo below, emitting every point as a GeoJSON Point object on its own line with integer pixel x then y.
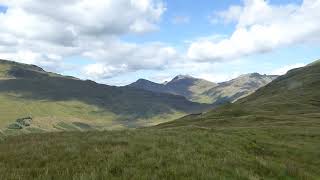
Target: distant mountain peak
{"type": "Point", "coordinates": [147, 85]}
{"type": "Point", "coordinates": [142, 80]}
{"type": "Point", "coordinates": [200, 90]}
{"type": "Point", "coordinates": [255, 74]}
{"type": "Point", "coordinates": [180, 77]}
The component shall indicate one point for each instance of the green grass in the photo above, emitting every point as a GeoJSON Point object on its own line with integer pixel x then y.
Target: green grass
{"type": "Point", "coordinates": [279, 152]}
{"type": "Point", "coordinates": [48, 113]}
{"type": "Point", "coordinates": [4, 71]}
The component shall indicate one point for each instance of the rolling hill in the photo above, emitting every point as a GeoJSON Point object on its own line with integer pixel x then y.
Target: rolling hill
{"type": "Point", "coordinates": [202, 91]}
{"type": "Point", "coordinates": [272, 134]}
{"type": "Point", "coordinates": [57, 102]}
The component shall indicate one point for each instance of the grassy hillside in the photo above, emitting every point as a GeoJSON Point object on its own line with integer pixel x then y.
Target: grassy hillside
{"type": "Point", "coordinates": [182, 85]}
{"type": "Point", "coordinates": [51, 100]}
{"type": "Point", "coordinates": [281, 152]}
{"type": "Point", "coordinates": [272, 134]}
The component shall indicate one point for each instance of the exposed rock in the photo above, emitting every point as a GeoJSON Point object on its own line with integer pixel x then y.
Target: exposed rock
{"type": "Point", "coordinates": [25, 121]}
{"type": "Point", "coordinates": [21, 123]}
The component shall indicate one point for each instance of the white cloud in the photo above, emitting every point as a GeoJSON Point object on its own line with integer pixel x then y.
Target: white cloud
{"type": "Point", "coordinates": [227, 16]}
{"type": "Point", "coordinates": [162, 78]}
{"type": "Point", "coordinates": [100, 71]}
{"type": "Point", "coordinates": [85, 17]}
{"type": "Point", "coordinates": [261, 27]}
{"type": "Point", "coordinates": [118, 57]}
{"type": "Point", "coordinates": [285, 69]}
{"type": "Point", "coordinates": [46, 32]}
{"type": "Point", "coordinates": [180, 20]}
{"type": "Point", "coordinates": [218, 77]}
{"type": "Point", "coordinates": [50, 62]}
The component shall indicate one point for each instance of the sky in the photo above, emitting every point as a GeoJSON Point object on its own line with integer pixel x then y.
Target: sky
{"type": "Point", "coordinates": [117, 42]}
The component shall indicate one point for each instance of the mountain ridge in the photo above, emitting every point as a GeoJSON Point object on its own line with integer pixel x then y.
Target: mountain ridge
{"type": "Point", "coordinates": [203, 91]}
{"type": "Point", "coordinates": [179, 85]}
{"type": "Point", "coordinates": [237, 88]}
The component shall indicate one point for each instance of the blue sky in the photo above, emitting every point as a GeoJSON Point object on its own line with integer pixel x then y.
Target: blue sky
{"type": "Point", "coordinates": [199, 24]}
{"type": "Point", "coordinates": [215, 40]}
{"type": "Point", "coordinates": [3, 8]}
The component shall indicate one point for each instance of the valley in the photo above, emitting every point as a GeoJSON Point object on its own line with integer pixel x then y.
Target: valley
{"type": "Point", "coordinates": [271, 134]}
{"type": "Point", "coordinates": [159, 90]}
{"type": "Point", "coordinates": [56, 102]}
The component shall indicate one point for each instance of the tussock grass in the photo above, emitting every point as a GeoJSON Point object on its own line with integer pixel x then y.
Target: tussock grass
{"type": "Point", "coordinates": [286, 152]}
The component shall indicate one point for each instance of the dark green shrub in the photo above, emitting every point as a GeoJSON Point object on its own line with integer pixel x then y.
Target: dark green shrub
{"type": "Point", "coordinates": [15, 126]}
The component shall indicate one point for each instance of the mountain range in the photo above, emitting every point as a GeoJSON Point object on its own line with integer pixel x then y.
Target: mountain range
{"type": "Point", "coordinates": [203, 91]}
{"type": "Point", "coordinates": [274, 133]}
{"type": "Point", "coordinates": [57, 102]}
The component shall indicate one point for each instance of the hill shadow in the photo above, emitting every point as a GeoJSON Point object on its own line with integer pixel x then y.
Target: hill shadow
{"type": "Point", "coordinates": [119, 100]}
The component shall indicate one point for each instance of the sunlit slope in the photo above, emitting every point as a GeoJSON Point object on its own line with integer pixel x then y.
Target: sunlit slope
{"type": "Point", "coordinates": [237, 88]}
{"type": "Point", "coordinates": [49, 98]}
{"type": "Point", "coordinates": [294, 97]}
{"type": "Point", "coordinates": [296, 93]}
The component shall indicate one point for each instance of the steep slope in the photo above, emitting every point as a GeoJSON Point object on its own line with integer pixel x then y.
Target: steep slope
{"type": "Point", "coordinates": [189, 87]}
{"type": "Point", "coordinates": [294, 98]}
{"type": "Point", "coordinates": [59, 102]}
{"type": "Point", "coordinates": [237, 88]}
{"type": "Point", "coordinates": [183, 85]}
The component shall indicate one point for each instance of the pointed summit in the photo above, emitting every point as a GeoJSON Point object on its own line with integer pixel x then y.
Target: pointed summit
{"type": "Point", "coordinates": [142, 81]}
{"type": "Point", "coordinates": [180, 77]}
{"type": "Point", "coordinates": [148, 85]}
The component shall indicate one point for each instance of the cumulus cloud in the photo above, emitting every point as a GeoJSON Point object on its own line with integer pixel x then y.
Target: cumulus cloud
{"type": "Point", "coordinates": [119, 57]}
{"type": "Point", "coordinates": [261, 27]}
{"type": "Point", "coordinates": [85, 17]}
{"type": "Point", "coordinates": [46, 32]}
{"type": "Point", "coordinates": [99, 71]}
